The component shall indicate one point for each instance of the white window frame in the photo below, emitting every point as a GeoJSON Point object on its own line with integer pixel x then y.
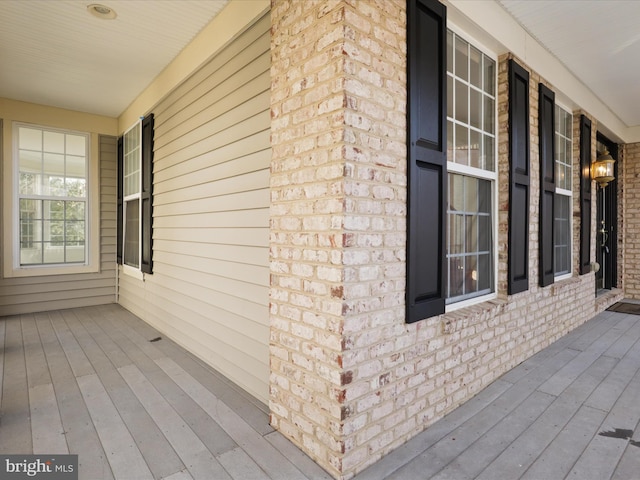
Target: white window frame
{"type": "Point", "coordinates": [567, 193]}
{"type": "Point", "coordinates": [480, 173]}
{"type": "Point", "coordinates": [130, 269]}
{"type": "Point", "coordinates": [11, 263]}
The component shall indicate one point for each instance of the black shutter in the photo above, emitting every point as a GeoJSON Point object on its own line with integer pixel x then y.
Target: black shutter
{"type": "Point", "coordinates": [585, 195]}
{"type": "Point", "coordinates": [146, 196]}
{"type": "Point", "coordinates": [119, 206]}
{"type": "Point", "coordinates": [519, 172]}
{"type": "Point", "coordinates": [427, 162]}
{"type": "Point", "coordinates": [546, 130]}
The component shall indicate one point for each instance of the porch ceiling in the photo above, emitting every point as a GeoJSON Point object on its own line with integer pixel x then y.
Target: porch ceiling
{"type": "Point", "coordinates": [598, 41]}
{"type": "Point", "coordinates": [56, 53]}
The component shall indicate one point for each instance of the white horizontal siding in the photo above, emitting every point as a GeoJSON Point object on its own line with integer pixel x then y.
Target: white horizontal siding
{"type": "Point", "coordinates": [55, 292]}
{"type": "Point", "coordinates": [209, 290]}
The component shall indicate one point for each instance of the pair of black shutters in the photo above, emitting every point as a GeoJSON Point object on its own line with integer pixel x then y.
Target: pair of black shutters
{"type": "Point", "coordinates": [427, 169]}
{"type": "Point", "coordinates": [146, 197]}
{"type": "Point", "coordinates": [546, 124]}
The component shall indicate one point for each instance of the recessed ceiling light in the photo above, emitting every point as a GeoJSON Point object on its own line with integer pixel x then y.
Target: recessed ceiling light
{"type": "Point", "coordinates": [101, 11]}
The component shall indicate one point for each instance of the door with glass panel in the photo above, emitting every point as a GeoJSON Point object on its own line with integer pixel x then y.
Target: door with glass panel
{"type": "Point", "coordinates": [606, 223]}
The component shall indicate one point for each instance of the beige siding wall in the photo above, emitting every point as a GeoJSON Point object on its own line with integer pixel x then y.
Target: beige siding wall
{"type": "Point", "coordinates": [209, 289]}
{"type": "Point", "coordinates": [52, 292]}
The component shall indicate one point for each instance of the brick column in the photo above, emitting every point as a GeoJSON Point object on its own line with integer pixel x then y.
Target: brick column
{"type": "Point", "coordinates": [338, 204]}
{"type": "Point", "coordinates": [630, 232]}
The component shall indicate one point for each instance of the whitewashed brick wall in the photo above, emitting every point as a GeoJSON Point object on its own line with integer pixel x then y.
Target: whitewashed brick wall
{"type": "Point", "coordinates": [631, 228]}
{"type": "Point", "coordinates": [350, 380]}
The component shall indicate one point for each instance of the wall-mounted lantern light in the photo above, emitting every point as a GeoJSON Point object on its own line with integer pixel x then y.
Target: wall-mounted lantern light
{"type": "Point", "coordinates": [602, 169]}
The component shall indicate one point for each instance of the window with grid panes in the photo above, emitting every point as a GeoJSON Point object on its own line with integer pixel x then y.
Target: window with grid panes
{"type": "Point", "coordinates": [563, 194]}
{"type": "Point", "coordinates": [471, 165]}
{"type": "Point", "coordinates": [132, 165]}
{"type": "Point", "coordinates": [52, 195]}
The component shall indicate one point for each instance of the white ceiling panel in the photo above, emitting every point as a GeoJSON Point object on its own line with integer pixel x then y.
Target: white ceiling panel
{"type": "Point", "coordinates": [54, 52]}
{"type": "Point", "coordinates": [598, 40]}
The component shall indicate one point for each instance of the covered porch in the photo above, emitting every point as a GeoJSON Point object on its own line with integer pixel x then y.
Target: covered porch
{"type": "Point", "coordinates": [101, 383]}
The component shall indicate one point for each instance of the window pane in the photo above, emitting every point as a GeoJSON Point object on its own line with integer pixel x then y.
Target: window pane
{"type": "Point", "coordinates": [131, 233]}
{"type": "Point", "coordinates": [475, 145]}
{"type": "Point", "coordinates": [471, 232]}
{"type": "Point", "coordinates": [470, 239]}
{"type": "Point", "coordinates": [484, 196]}
{"type": "Point", "coordinates": [456, 277]}
{"type": "Point", "coordinates": [28, 183]}
{"type": "Point", "coordinates": [456, 234]}
{"type": "Point", "coordinates": [462, 145]}
{"type": "Point", "coordinates": [484, 233]}
{"type": "Point", "coordinates": [76, 166]}
{"type": "Point", "coordinates": [462, 102]}
{"type": "Point", "coordinates": [568, 119]}
{"type": "Point", "coordinates": [489, 115]}
{"type": "Point", "coordinates": [30, 138]}
{"type": "Point", "coordinates": [450, 131]}
{"type": "Point", "coordinates": [456, 193]}
{"type": "Point", "coordinates": [449, 96]}
{"type": "Point", "coordinates": [53, 164]}
{"type": "Point", "coordinates": [76, 187]}
{"type": "Point", "coordinates": [131, 152]}
{"type": "Point", "coordinates": [32, 254]}
{"type": "Point", "coordinates": [475, 67]}
{"type": "Point", "coordinates": [449, 51]}
{"type": "Point", "coordinates": [485, 269]}
{"type": "Point", "coordinates": [30, 161]}
{"type": "Point", "coordinates": [560, 148]}
{"type": "Point", "coordinates": [489, 153]}
{"type": "Point", "coordinates": [475, 108]}
{"type": "Point", "coordinates": [462, 67]}
{"type": "Point", "coordinates": [52, 253]}
{"type": "Point", "coordinates": [53, 142]}
{"type": "Point", "coordinates": [562, 234]}
{"type": "Point", "coordinates": [471, 275]}
{"type": "Point", "coordinates": [76, 145]}
{"type": "Point", "coordinates": [55, 186]}
{"type": "Point", "coordinates": [489, 75]}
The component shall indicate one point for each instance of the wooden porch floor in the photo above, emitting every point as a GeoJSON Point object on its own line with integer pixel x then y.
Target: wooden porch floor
{"type": "Point", "coordinates": [91, 381]}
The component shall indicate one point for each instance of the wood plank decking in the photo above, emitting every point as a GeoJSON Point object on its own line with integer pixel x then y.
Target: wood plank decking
{"type": "Point", "coordinates": [89, 381]}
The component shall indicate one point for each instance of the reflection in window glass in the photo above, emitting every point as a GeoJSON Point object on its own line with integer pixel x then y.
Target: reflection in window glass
{"type": "Point", "coordinates": [471, 156]}
{"type": "Point", "coordinates": [471, 101]}
{"type": "Point", "coordinates": [563, 197]}
{"type": "Point", "coordinates": [132, 233]}
{"type": "Point", "coordinates": [132, 154]}
{"type": "Point", "coordinates": [52, 196]}
{"type": "Point", "coordinates": [470, 238]}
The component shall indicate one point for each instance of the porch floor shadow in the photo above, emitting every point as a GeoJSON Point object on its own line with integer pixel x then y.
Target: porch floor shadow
{"type": "Point", "coordinates": [95, 382]}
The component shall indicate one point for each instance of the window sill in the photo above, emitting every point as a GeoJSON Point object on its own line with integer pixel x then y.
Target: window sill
{"type": "Point", "coordinates": [467, 315]}
{"type": "Point", "coordinates": [42, 271]}
{"type": "Point", "coordinates": [132, 272]}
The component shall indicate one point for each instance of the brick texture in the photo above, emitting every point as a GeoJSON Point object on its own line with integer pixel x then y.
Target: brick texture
{"type": "Point", "coordinates": [631, 215]}
{"type": "Point", "coordinates": [350, 380]}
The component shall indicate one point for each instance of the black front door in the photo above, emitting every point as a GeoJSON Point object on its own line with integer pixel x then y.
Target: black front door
{"type": "Point", "coordinates": [607, 224]}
